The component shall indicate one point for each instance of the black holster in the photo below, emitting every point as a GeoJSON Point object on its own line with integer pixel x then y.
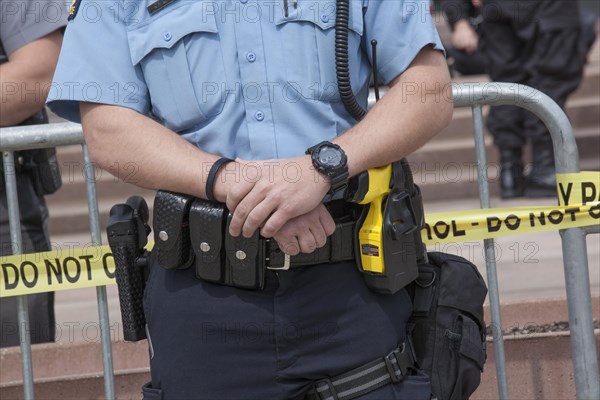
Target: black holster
{"type": "Point", "coordinates": [403, 247]}
{"type": "Point", "coordinates": [127, 236]}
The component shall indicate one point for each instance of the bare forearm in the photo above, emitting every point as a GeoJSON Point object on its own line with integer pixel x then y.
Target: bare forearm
{"type": "Point", "coordinates": [416, 108]}
{"type": "Point", "coordinates": [161, 159]}
{"type": "Point", "coordinates": [25, 79]}
{"type": "Point", "coordinates": [22, 96]}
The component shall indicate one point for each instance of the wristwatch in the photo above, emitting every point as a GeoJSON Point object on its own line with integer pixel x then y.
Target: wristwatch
{"type": "Point", "coordinates": [330, 160]}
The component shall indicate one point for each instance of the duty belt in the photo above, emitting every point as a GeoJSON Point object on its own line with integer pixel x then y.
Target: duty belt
{"type": "Point", "coordinates": [194, 231]}
{"type": "Point", "coordinates": [339, 247]}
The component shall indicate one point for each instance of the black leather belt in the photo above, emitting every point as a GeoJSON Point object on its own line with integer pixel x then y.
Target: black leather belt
{"type": "Point", "coordinates": [339, 247]}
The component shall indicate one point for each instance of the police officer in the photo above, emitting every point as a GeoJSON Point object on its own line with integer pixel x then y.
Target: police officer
{"type": "Point", "coordinates": [538, 43]}
{"type": "Point", "coordinates": [180, 84]}
{"type": "Point", "coordinates": [464, 19]}
{"type": "Point", "coordinates": [31, 36]}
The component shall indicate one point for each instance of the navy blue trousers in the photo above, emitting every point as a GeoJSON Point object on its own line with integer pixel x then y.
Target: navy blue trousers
{"type": "Point", "coordinates": [209, 341]}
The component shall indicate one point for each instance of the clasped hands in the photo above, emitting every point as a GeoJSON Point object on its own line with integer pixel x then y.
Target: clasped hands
{"type": "Point", "coordinates": [281, 197]}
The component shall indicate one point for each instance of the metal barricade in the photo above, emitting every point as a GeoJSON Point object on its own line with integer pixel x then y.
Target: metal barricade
{"type": "Point", "coordinates": [35, 137]}
{"type": "Point", "coordinates": [475, 95]}
{"type": "Point", "coordinates": [585, 362]}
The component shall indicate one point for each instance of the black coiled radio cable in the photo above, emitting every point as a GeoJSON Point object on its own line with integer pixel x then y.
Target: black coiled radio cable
{"type": "Point", "coordinates": [341, 60]}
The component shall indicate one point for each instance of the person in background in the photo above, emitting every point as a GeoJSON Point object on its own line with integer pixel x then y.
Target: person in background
{"type": "Point", "coordinates": [31, 35]}
{"type": "Point", "coordinates": [463, 54]}
{"type": "Point", "coordinates": [539, 44]}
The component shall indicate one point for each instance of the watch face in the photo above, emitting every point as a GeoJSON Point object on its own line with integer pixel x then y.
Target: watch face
{"type": "Point", "coordinates": [330, 157]}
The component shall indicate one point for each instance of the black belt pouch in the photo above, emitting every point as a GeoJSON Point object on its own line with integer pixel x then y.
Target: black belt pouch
{"type": "Point", "coordinates": [220, 257]}
{"type": "Point", "coordinates": [171, 229]}
{"type": "Point", "coordinates": [207, 220]}
{"type": "Point", "coordinates": [245, 260]}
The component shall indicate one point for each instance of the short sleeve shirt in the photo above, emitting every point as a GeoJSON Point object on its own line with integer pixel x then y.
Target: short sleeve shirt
{"type": "Point", "coordinates": [254, 79]}
{"type": "Point", "coordinates": [23, 21]}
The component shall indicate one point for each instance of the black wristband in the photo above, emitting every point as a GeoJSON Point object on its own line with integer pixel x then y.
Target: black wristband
{"type": "Point", "coordinates": [212, 174]}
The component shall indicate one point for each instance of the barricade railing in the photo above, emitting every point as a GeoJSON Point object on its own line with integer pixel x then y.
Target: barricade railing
{"type": "Point", "coordinates": [43, 136]}
{"type": "Point", "coordinates": [474, 95]}
{"type": "Point", "coordinates": [575, 261]}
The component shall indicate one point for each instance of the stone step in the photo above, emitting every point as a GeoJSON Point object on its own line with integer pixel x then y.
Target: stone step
{"type": "Point", "coordinates": [75, 177]}
{"type": "Point", "coordinates": [583, 113]}
{"type": "Point", "coordinates": [463, 149]}
{"type": "Point", "coordinates": [73, 216]}
{"type": "Point", "coordinates": [449, 169]}
{"type": "Point", "coordinates": [74, 190]}
{"type": "Point", "coordinates": [589, 86]}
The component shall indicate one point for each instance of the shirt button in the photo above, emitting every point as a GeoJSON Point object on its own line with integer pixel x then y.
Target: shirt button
{"type": "Point", "coordinates": [243, 1]}
{"type": "Point", "coordinates": [324, 17]}
{"type": "Point", "coordinates": [259, 116]}
{"type": "Point", "coordinates": [251, 57]}
{"type": "Point", "coordinates": [167, 36]}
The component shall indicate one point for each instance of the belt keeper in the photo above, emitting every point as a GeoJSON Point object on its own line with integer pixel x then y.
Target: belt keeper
{"type": "Point", "coordinates": [212, 174]}
{"type": "Point", "coordinates": [389, 363]}
{"type": "Point", "coordinates": [326, 382]}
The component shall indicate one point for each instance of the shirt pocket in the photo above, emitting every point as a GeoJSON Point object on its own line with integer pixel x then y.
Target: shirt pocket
{"type": "Point", "coordinates": [308, 41]}
{"type": "Point", "coordinates": [179, 53]}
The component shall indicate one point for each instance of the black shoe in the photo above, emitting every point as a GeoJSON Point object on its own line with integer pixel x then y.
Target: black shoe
{"type": "Point", "coordinates": [541, 182]}
{"type": "Point", "coordinates": [511, 173]}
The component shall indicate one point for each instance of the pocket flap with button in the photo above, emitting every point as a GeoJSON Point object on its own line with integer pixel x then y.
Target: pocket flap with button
{"type": "Point", "coordinates": [245, 260]}
{"type": "Point", "coordinates": [314, 22]}
{"type": "Point", "coordinates": [166, 48]}
{"type": "Point", "coordinates": [324, 19]}
{"type": "Point", "coordinates": [206, 233]}
{"type": "Point", "coordinates": [321, 14]}
{"type": "Point", "coordinates": [171, 229]}
{"type": "Point", "coordinates": [168, 27]}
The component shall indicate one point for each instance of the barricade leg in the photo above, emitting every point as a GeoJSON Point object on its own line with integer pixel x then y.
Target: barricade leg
{"type": "Point", "coordinates": [490, 257]}
{"type": "Point", "coordinates": [92, 199]}
{"type": "Point", "coordinates": [577, 281]}
{"type": "Point", "coordinates": [14, 219]}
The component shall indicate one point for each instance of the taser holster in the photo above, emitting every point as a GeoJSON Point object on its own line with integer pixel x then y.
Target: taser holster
{"type": "Point", "coordinates": [388, 243]}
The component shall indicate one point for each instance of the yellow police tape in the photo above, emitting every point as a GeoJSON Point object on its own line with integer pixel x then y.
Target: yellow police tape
{"type": "Point", "coordinates": [72, 268]}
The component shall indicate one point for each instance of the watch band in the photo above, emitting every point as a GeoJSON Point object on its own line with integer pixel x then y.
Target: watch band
{"type": "Point", "coordinates": [339, 182]}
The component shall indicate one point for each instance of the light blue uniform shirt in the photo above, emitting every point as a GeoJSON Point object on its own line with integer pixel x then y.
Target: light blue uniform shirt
{"type": "Point", "coordinates": [237, 78]}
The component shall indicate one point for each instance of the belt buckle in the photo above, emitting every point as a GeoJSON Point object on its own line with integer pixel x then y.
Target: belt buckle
{"type": "Point", "coordinates": [286, 264]}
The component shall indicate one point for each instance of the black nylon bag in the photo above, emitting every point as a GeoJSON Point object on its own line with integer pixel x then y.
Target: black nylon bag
{"type": "Point", "coordinates": [447, 326]}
